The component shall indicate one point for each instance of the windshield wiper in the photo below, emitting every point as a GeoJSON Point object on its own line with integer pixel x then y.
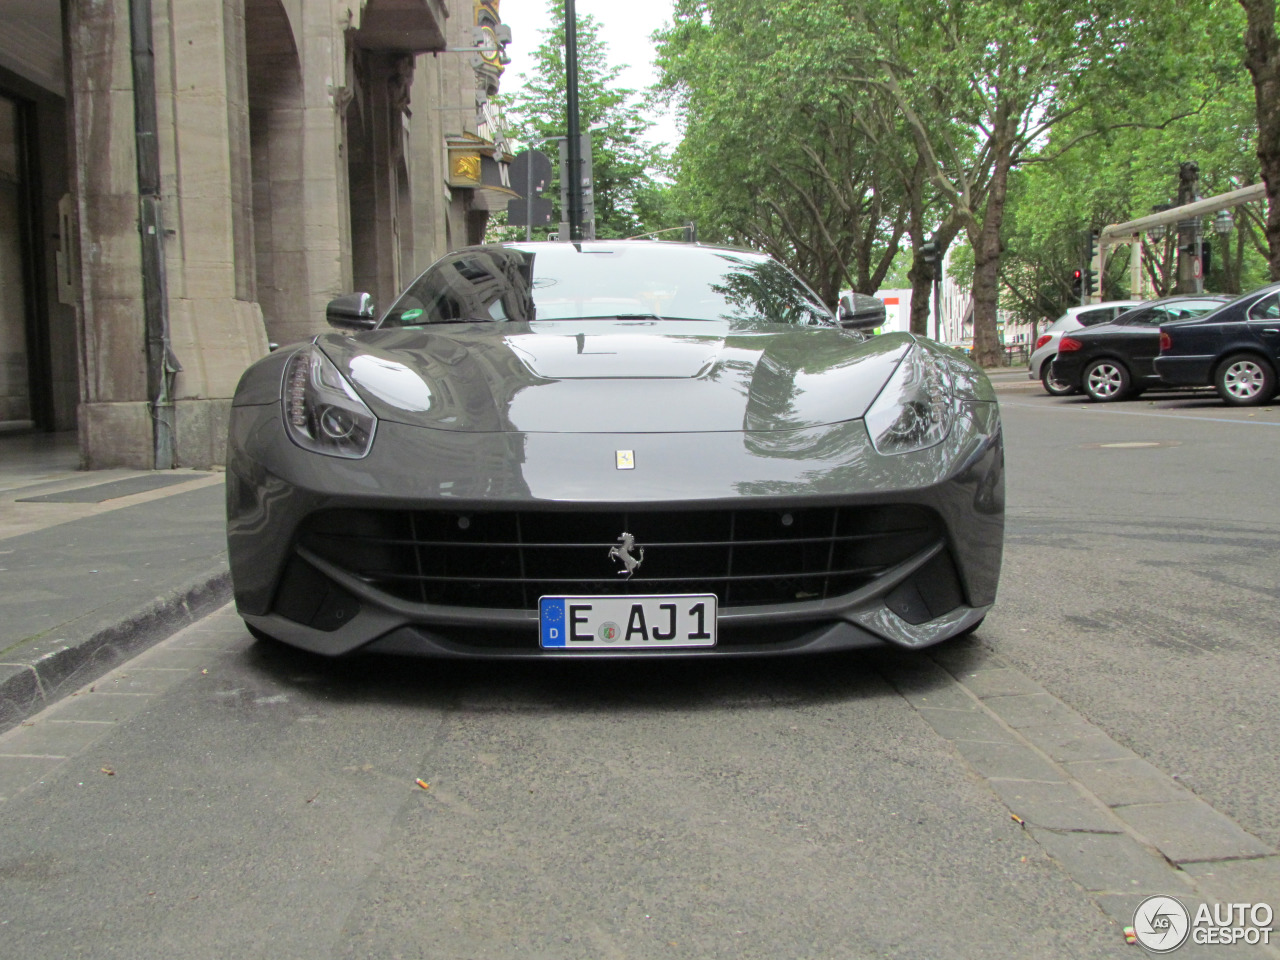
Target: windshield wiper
{"type": "Point", "coordinates": [436, 323]}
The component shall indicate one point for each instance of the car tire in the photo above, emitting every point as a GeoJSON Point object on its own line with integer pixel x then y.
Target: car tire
{"type": "Point", "coordinates": [1245, 380]}
{"type": "Point", "coordinates": [969, 630]}
{"type": "Point", "coordinates": [1106, 380]}
{"type": "Point", "coordinates": [1055, 388]}
{"type": "Point", "coordinates": [260, 635]}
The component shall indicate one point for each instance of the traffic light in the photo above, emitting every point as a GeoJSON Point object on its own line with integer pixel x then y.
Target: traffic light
{"type": "Point", "coordinates": [1076, 280]}
{"type": "Point", "coordinates": [1091, 284]}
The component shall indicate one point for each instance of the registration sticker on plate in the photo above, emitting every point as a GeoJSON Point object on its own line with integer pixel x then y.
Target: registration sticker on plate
{"type": "Point", "coordinates": [579, 623]}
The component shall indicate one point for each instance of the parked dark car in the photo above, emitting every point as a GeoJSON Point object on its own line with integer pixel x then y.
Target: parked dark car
{"type": "Point", "coordinates": [1115, 361]}
{"type": "Point", "coordinates": [1235, 349]}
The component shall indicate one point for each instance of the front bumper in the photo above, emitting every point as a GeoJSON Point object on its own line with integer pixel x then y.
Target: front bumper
{"type": "Point", "coordinates": [1035, 365]}
{"type": "Point", "coordinates": [273, 487]}
{"type": "Point", "coordinates": [1067, 371]}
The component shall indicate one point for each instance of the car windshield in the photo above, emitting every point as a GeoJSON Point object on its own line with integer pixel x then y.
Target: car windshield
{"type": "Point", "coordinates": [649, 281]}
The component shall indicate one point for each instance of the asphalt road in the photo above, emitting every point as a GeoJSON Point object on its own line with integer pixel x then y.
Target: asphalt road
{"type": "Point", "coordinates": [1142, 583]}
{"type": "Point", "coordinates": [1010, 796]}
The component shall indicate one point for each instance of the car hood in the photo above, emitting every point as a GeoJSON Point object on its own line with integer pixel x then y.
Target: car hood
{"type": "Point", "coordinates": [616, 376]}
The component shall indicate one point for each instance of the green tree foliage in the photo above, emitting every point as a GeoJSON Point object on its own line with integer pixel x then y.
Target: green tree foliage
{"type": "Point", "coordinates": [1086, 177]}
{"type": "Point", "coordinates": [1120, 176]}
{"type": "Point", "coordinates": [626, 193]}
{"type": "Point", "coordinates": [771, 158]}
{"type": "Point", "coordinates": [953, 96]}
{"type": "Point", "coordinates": [983, 83]}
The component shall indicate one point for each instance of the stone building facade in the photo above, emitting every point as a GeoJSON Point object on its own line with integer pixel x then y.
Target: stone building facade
{"type": "Point", "coordinates": [304, 151]}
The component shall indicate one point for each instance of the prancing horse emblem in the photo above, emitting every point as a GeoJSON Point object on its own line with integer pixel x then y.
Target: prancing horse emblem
{"type": "Point", "coordinates": [630, 564]}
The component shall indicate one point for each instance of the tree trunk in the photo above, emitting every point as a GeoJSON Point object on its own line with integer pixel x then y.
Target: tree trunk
{"type": "Point", "coordinates": [921, 297]}
{"type": "Point", "coordinates": [987, 351]}
{"type": "Point", "coordinates": [919, 276]}
{"type": "Point", "coordinates": [1262, 57]}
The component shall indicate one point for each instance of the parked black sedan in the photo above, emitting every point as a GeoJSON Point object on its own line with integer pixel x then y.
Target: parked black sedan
{"type": "Point", "coordinates": [1235, 349]}
{"type": "Point", "coordinates": [1114, 361]}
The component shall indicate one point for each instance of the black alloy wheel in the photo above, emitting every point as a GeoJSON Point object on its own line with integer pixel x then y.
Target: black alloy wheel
{"type": "Point", "coordinates": [1055, 388]}
{"type": "Point", "coordinates": [1245, 380]}
{"type": "Point", "coordinates": [1106, 380]}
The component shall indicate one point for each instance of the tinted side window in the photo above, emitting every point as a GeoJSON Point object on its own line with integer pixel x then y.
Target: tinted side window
{"type": "Point", "coordinates": [1138, 318]}
{"type": "Point", "coordinates": [1190, 309]}
{"type": "Point", "coordinates": [1198, 308]}
{"type": "Point", "coordinates": [1153, 318]}
{"type": "Point", "coordinates": [1091, 317]}
{"type": "Point", "coordinates": [1268, 308]}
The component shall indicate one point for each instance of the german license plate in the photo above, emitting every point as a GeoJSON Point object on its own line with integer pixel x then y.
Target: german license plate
{"type": "Point", "coordinates": [581, 623]}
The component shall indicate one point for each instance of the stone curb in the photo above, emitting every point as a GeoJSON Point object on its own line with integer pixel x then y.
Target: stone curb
{"type": "Point", "coordinates": [1116, 825]}
{"type": "Point", "coordinates": [30, 683]}
{"type": "Point", "coordinates": [1017, 386]}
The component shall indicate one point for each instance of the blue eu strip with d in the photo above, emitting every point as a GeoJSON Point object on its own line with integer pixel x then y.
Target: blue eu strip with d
{"type": "Point", "coordinates": [551, 618]}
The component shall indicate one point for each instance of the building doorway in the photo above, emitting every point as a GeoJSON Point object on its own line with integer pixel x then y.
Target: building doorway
{"type": "Point", "coordinates": [16, 394]}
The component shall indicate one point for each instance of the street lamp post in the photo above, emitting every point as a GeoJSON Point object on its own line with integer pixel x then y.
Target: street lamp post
{"type": "Point", "coordinates": [574, 131]}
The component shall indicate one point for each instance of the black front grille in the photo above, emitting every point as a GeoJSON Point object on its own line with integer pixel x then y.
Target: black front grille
{"type": "Point", "coordinates": [508, 559]}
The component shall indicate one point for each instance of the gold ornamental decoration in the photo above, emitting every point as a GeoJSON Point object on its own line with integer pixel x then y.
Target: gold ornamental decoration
{"type": "Point", "coordinates": [464, 169]}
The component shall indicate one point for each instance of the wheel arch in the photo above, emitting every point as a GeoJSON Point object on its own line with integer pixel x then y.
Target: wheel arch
{"type": "Point", "coordinates": [1107, 353]}
{"type": "Point", "coordinates": [1256, 349]}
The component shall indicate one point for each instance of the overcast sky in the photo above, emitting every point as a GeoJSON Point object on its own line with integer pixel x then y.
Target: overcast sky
{"type": "Point", "coordinates": [624, 27]}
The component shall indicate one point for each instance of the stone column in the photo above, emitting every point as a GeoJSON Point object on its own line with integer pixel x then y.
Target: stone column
{"type": "Point", "coordinates": [216, 323]}
{"type": "Point", "coordinates": [115, 424]}
{"type": "Point", "coordinates": [216, 327]}
{"type": "Point", "coordinates": [321, 31]}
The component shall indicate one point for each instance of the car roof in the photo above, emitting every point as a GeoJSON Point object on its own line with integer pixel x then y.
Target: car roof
{"type": "Point", "coordinates": [1096, 306]}
{"type": "Point", "coordinates": [1084, 307]}
{"type": "Point", "coordinates": [1184, 297]}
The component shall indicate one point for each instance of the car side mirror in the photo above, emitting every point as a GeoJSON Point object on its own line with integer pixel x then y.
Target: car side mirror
{"type": "Point", "coordinates": [356, 310]}
{"type": "Point", "coordinates": [858, 311]}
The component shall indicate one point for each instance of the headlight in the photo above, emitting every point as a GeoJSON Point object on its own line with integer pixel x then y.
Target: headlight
{"type": "Point", "coordinates": [322, 412]}
{"type": "Point", "coordinates": [916, 408]}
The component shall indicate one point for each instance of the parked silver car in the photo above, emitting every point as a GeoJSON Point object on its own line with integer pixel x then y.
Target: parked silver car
{"type": "Point", "coordinates": [1040, 366]}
